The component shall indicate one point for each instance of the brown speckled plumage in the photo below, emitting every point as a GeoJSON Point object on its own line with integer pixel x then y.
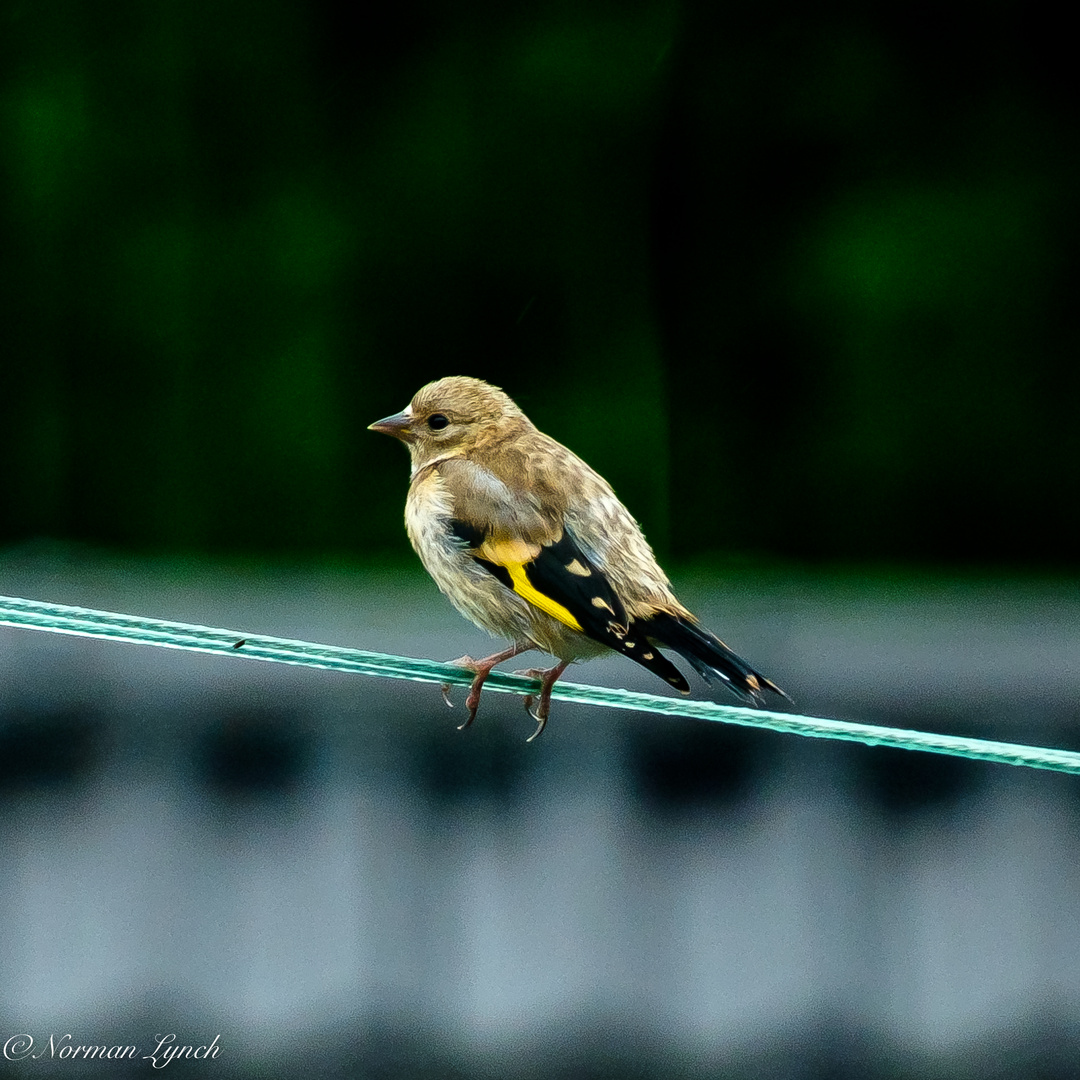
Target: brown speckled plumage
{"type": "Point", "coordinates": [533, 545]}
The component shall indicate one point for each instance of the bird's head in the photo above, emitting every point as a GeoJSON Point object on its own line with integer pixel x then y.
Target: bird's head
{"type": "Point", "coordinates": [451, 418]}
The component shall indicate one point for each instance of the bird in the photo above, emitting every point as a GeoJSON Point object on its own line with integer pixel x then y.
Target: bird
{"type": "Point", "coordinates": [532, 545]}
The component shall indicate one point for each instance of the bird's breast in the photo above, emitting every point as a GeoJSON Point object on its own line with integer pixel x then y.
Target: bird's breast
{"type": "Point", "coordinates": [428, 511]}
{"type": "Point", "coordinates": [479, 595]}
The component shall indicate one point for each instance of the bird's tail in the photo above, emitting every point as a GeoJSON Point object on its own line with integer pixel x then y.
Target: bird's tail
{"type": "Point", "coordinates": [710, 657]}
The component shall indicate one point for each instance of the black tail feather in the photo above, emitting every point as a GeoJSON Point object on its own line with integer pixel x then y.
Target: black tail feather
{"type": "Point", "coordinates": [708, 655]}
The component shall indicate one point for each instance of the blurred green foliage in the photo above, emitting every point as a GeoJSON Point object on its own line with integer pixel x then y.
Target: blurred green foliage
{"type": "Point", "coordinates": [797, 282]}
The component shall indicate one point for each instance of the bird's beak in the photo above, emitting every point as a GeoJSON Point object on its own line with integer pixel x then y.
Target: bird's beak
{"type": "Point", "coordinates": [399, 425]}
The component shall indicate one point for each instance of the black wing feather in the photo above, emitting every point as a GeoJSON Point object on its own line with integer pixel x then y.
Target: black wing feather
{"type": "Point", "coordinates": [587, 594]}
{"type": "Point", "coordinates": [710, 657]}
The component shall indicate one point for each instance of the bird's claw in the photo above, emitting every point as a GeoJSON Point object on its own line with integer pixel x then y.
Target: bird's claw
{"type": "Point", "coordinates": [472, 702]}
{"type": "Point", "coordinates": [445, 688]}
{"type": "Point", "coordinates": [541, 713]}
{"type": "Point", "coordinates": [468, 720]}
{"type": "Point", "coordinates": [541, 723]}
{"type": "Point", "coordinates": [531, 673]}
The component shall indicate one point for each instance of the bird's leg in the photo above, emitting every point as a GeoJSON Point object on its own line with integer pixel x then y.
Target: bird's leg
{"type": "Point", "coordinates": [543, 705]}
{"type": "Point", "coordinates": [481, 669]}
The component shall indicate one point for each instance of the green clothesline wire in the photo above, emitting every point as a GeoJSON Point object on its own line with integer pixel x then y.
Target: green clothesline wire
{"type": "Point", "coordinates": [83, 622]}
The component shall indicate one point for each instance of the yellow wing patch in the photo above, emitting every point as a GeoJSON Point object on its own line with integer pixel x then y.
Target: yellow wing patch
{"type": "Point", "coordinates": [525, 590]}
{"type": "Point", "coordinates": [512, 555]}
{"type": "Point", "coordinates": [508, 552]}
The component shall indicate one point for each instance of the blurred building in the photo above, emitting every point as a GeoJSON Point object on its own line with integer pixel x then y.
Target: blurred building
{"type": "Point", "coordinates": [320, 870]}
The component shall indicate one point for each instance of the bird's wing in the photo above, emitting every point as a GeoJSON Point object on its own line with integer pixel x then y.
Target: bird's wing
{"type": "Point", "coordinates": [602, 526]}
{"type": "Point", "coordinates": [524, 542]}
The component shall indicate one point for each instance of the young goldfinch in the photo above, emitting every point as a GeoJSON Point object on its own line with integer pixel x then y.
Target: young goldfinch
{"type": "Point", "coordinates": [532, 545]}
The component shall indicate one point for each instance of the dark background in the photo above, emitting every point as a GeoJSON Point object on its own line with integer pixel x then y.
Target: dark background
{"type": "Point", "coordinates": [799, 281]}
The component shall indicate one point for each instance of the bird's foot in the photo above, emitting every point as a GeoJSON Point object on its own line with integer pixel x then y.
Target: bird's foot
{"type": "Point", "coordinates": [481, 669]}
{"type": "Point", "coordinates": [531, 673]}
{"type": "Point", "coordinates": [547, 679]}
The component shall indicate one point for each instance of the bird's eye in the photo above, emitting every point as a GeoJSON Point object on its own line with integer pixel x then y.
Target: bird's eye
{"type": "Point", "coordinates": [437, 421]}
